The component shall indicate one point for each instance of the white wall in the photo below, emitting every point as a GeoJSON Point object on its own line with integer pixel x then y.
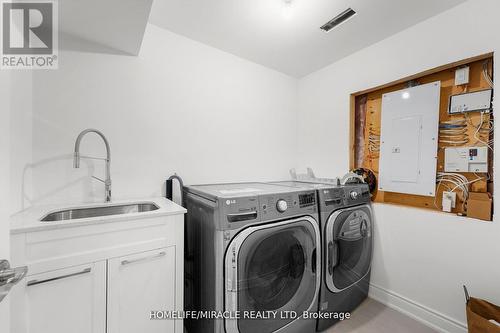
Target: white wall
{"type": "Point", "coordinates": [15, 152]}
{"type": "Point", "coordinates": [422, 258]}
{"type": "Point", "coordinates": [5, 106]}
{"type": "Point", "coordinates": [180, 106]}
{"type": "Point", "coordinates": [21, 128]}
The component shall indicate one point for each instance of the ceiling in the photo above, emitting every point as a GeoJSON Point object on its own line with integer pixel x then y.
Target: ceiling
{"type": "Point", "coordinates": [86, 25]}
{"type": "Point", "coordinates": [287, 37]}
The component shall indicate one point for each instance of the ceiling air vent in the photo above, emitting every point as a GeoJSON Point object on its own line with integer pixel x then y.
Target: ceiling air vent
{"type": "Point", "coordinates": [338, 20]}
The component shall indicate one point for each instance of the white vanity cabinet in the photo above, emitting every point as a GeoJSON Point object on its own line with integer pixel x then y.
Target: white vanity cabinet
{"type": "Point", "coordinates": [137, 285]}
{"type": "Point", "coordinates": [100, 275]}
{"type": "Point", "coordinates": [67, 300]}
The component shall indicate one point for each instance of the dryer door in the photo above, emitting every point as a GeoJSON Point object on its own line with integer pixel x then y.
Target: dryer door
{"type": "Point", "coordinates": [349, 243]}
{"type": "Point", "coordinates": [270, 269]}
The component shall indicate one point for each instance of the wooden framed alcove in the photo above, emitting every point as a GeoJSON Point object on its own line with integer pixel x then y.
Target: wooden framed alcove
{"type": "Point", "coordinates": [372, 99]}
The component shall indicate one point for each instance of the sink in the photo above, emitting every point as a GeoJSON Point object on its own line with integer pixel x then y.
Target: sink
{"type": "Point", "coordinates": [82, 213]}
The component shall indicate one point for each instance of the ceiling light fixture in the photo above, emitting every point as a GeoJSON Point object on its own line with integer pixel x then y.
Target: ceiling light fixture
{"type": "Point", "coordinates": [287, 9]}
{"type": "Point", "coordinates": [339, 19]}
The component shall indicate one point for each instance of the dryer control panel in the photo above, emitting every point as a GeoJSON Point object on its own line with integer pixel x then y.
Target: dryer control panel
{"type": "Point", "coordinates": [343, 196]}
{"type": "Point", "coordinates": [356, 194]}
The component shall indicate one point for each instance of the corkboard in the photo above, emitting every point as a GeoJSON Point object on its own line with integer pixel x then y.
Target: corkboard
{"type": "Point", "coordinates": [372, 102]}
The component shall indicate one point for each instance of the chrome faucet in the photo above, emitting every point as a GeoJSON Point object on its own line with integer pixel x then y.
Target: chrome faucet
{"type": "Point", "coordinates": [76, 159]}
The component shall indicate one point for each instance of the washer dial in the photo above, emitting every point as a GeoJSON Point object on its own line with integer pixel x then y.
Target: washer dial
{"type": "Point", "coordinates": [281, 205]}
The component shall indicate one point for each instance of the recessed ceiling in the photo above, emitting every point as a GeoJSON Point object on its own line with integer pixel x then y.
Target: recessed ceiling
{"type": "Point", "coordinates": [285, 35]}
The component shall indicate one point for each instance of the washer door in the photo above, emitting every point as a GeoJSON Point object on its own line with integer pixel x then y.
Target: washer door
{"type": "Point", "coordinates": [271, 268]}
{"type": "Point", "coordinates": [349, 244]}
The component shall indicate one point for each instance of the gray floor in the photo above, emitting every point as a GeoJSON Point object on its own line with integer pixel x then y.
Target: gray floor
{"type": "Point", "coordinates": [373, 317]}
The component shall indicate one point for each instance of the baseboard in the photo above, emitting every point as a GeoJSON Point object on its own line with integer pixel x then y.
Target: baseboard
{"type": "Point", "coordinates": [419, 312]}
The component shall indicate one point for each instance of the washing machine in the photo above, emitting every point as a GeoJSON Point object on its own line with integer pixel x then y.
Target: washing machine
{"type": "Point", "coordinates": [253, 258]}
{"type": "Point", "coordinates": [347, 239]}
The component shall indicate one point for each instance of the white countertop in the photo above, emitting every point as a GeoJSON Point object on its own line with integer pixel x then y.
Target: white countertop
{"type": "Point", "coordinates": [29, 220]}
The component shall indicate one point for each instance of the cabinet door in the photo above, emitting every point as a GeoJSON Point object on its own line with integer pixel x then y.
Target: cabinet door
{"type": "Point", "coordinates": [66, 300]}
{"type": "Point", "coordinates": [137, 285]}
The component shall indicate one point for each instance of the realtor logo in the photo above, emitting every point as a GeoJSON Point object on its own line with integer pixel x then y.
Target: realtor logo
{"type": "Point", "coordinates": [29, 34]}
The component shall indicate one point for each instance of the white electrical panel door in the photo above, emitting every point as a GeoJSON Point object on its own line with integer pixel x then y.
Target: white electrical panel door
{"type": "Point", "coordinates": [408, 140]}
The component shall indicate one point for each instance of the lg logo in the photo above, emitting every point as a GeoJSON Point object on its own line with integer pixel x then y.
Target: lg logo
{"type": "Point", "coordinates": [29, 34]}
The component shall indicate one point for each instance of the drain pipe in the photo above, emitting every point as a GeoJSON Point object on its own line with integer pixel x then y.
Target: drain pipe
{"type": "Point", "coordinates": [169, 190]}
{"type": "Point", "coordinates": [169, 196]}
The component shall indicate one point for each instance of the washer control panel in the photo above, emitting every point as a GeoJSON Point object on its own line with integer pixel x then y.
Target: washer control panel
{"type": "Point", "coordinates": [239, 210]}
{"type": "Point", "coordinates": [307, 199]}
{"type": "Point", "coordinates": [288, 204]}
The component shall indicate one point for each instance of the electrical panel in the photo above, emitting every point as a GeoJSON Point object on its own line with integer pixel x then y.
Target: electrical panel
{"type": "Point", "coordinates": [408, 140]}
{"type": "Point", "coordinates": [470, 102]}
{"type": "Point", "coordinates": [466, 159]}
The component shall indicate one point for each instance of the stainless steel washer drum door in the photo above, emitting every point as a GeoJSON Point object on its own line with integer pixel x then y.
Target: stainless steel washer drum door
{"type": "Point", "coordinates": [348, 246]}
{"type": "Point", "coordinates": [272, 267]}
